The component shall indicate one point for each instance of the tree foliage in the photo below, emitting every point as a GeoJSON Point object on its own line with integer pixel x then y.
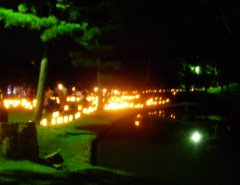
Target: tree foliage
{"type": "Point", "coordinates": [103, 16]}
{"type": "Point", "coordinates": [53, 25]}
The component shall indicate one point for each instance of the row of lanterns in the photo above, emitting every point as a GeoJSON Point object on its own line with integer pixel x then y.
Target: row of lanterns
{"type": "Point", "coordinates": [57, 119]}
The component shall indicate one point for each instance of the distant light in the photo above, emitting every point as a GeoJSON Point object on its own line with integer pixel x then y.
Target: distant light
{"type": "Point", "coordinates": [44, 122]}
{"type": "Point", "coordinates": [59, 120]}
{"type": "Point", "coordinates": [65, 118]}
{"type": "Point", "coordinates": [197, 69]}
{"type": "Point", "coordinates": [137, 123]}
{"type": "Point", "coordinates": [196, 137]}
{"type": "Point", "coordinates": [60, 86]}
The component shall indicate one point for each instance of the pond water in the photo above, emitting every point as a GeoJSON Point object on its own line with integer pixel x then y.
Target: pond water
{"type": "Point", "coordinates": [159, 144]}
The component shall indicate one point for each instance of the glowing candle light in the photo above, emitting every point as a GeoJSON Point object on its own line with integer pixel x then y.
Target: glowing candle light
{"type": "Point", "coordinates": [65, 119]}
{"type": "Point", "coordinates": [77, 115]}
{"type": "Point", "coordinates": [55, 114]}
{"type": "Point", "coordinates": [44, 122]}
{"type": "Point", "coordinates": [59, 120]}
{"type": "Point", "coordinates": [53, 121]}
{"type": "Point", "coordinates": [137, 123]}
{"type": "Point", "coordinates": [131, 105]}
{"type": "Point", "coordinates": [24, 102]}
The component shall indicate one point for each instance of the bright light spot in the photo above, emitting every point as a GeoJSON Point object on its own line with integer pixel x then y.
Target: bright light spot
{"type": "Point", "coordinates": [55, 114]}
{"type": "Point", "coordinates": [95, 89]}
{"type": "Point", "coordinates": [79, 107]}
{"type": "Point", "coordinates": [60, 86]}
{"type": "Point", "coordinates": [77, 115]}
{"type": "Point", "coordinates": [65, 119]}
{"type": "Point", "coordinates": [53, 121]}
{"type": "Point", "coordinates": [196, 137]}
{"type": "Point", "coordinates": [197, 69]}
{"type": "Point", "coordinates": [59, 120]}
{"type": "Point", "coordinates": [44, 122]}
{"type": "Point", "coordinates": [137, 123]}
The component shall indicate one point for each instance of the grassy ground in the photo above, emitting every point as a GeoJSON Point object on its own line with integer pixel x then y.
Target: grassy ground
{"type": "Point", "coordinates": [121, 161]}
{"type": "Point", "coordinates": [74, 141]}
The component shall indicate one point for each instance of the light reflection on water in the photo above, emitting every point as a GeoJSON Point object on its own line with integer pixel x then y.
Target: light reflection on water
{"type": "Point", "coordinates": [195, 116]}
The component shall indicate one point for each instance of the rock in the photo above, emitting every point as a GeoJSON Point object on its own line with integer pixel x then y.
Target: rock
{"type": "Point", "coordinates": [19, 141]}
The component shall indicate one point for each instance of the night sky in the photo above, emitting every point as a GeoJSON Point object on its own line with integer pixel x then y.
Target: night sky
{"type": "Point", "coordinates": [172, 29]}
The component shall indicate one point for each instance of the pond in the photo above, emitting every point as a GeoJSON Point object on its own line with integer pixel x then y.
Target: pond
{"type": "Point", "coordinates": [160, 145]}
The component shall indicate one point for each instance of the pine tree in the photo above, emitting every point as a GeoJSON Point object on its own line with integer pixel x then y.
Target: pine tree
{"type": "Point", "coordinates": [96, 55]}
{"type": "Point", "coordinates": [54, 23]}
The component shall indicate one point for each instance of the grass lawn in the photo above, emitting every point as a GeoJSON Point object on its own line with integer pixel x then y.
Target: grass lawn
{"type": "Point", "coordinates": [74, 141]}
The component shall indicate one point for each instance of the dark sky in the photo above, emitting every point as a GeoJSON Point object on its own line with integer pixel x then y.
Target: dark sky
{"type": "Point", "coordinates": [173, 29]}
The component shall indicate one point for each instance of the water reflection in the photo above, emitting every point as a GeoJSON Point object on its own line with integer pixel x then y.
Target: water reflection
{"type": "Point", "coordinates": [185, 143]}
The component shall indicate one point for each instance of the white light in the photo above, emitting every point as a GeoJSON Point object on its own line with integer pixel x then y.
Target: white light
{"type": "Point", "coordinates": [196, 137]}
{"type": "Point", "coordinates": [197, 69]}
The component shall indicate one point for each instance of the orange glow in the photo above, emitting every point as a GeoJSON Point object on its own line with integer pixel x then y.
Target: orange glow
{"type": "Point", "coordinates": [53, 121]}
{"type": "Point", "coordinates": [65, 119]}
{"type": "Point", "coordinates": [79, 107]}
{"type": "Point", "coordinates": [55, 114]}
{"type": "Point", "coordinates": [59, 120]}
{"type": "Point", "coordinates": [137, 123]}
{"type": "Point", "coordinates": [44, 122]}
{"type": "Point", "coordinates": [77, 115]}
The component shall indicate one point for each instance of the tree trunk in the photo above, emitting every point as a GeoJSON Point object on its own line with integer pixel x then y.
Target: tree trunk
{"type": "Point", "coordinates": [100, 91]}
{"type": "Point", "coordinates": [227, 86]}
{"type": "Point", "coordinates": [187, 80]}
{"type": "Point", "coordinates": [100, 94]}
{"type": "Point", "coordinates": [222, 84]}
{"type": "Point", "coordinates": [216, 74]}
{"type": "Point", "coordinates": [225, 21]}
{"type": "Point", "coordinates": [37, 115]}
